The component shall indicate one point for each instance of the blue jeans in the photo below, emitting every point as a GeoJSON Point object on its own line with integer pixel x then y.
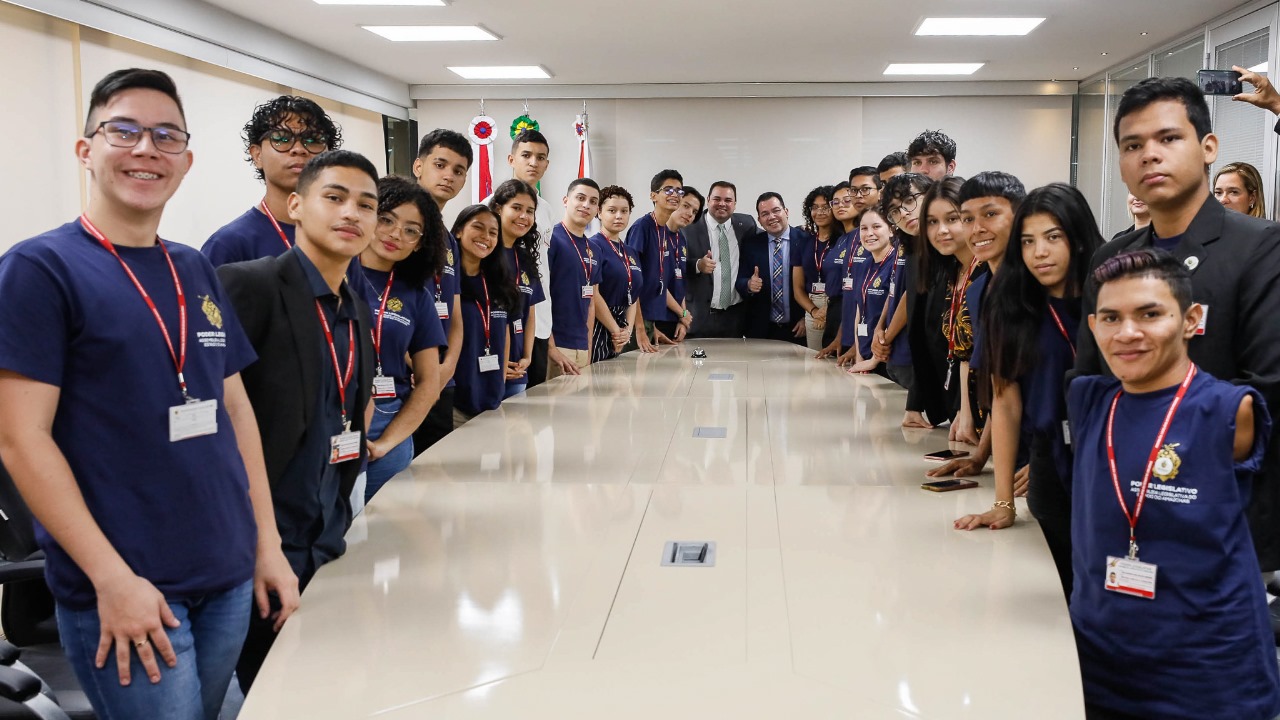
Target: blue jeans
{"type": "Point", "coordinates": [207, 645]}
{"type": "Point", "coordinates": [515, 389]}
{"type": "Point", "coordinates": [396, 459]}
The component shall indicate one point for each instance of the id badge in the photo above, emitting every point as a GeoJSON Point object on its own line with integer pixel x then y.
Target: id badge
{"type": "Point", "coordinates": [344, 446]}
{"type": "Point", "coordinates": [384, 387]}
{"type": "Point", "coordinates": [1130, 577]}
{"type": "Point", "coordinates": [488, 363]}
{"type": "Point", "coordinates": [893, 288]}
{"type": "Point", "coordinates": [1066, 432]}
{"type": "Point", "coordinates": [661, 287]}
{"type": "Point", "coordinates": [1204, 320]}
{"type": "Point", "coordinates": [442, 309]}
{"type": "Point", "coordinates": [588, 291]}
{"type": "Point", "coordinates": [862, 329]}
{"type": "Point", "coordinates": [193, 419]}
{"type": "Point", "coordinates": [848, 283]}
{"type": "Point", "coordinates": [819, 288]}
{"type": "Point", "coordinates": [517, 327]}
{"type": "Point", "coordinates": [679, 273]}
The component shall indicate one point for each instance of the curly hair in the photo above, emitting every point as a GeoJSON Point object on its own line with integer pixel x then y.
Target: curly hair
{"type": "Point", "coordinates": [526, 246]}
{"type": "Point", "coordinates": [273, 114]}
{"type": "Point", "coordinates": [824, 192]}
{"type": "Point", "coordinates": [429, 257]}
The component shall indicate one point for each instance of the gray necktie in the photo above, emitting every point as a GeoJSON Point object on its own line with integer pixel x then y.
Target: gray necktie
{"type": "Point", "coordinates": [726, 282]}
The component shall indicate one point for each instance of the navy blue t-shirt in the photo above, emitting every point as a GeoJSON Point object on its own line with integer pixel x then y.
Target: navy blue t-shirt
{"type": "Point", "coordinates": [654, 248]}
{"type": "Point", "coordinates": [443, 288]}
{"type": "Point", "coordinates": [900, 348]}
{"type": "Point", "coordinates": [680, 259]}
{"type": "Point", "coordinates": [870, 292]}
{"type": "Point", "coordinates": [810, 254]}
{"type": "Point", "coordinates": [574, 263]}
{"type": "Point", "coordinates": [177, 512]}
{"type": "Point", "coordinates": [410, 324]}
{"type": "Point", "coordinates": [1044, 403]}
{"type": "Point", "coordinates": [838, 267]}
{"type": "Point", "coordinates": [479, 391]}
{"type": "Point", "coordinates": [248, 237]}
{"type": "Point", "coordinates": [618, 287]}
{"type": "Point", "coordinates": [973, 297]}
{"type": "Point", "coordinates": [530, 294]}
{"type": "Point", "coordinates": [1203, 646]}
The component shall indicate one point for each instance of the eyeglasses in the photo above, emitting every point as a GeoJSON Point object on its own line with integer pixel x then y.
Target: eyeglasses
{"type": "Point", "coordinates": [862, 191]}
{"type": "Point", "coordinates": [841, 201]}
{"type": "Point", "coordinates": [410, 234]}
{"type": "Point", "coordinates": [284, 140]}
{"type": "Point", "coordinates": [909, 204]}
{"type": "Point", "coordinates": [127, 135]}
{"type": "Point", "coordinates": [670, 190]}
{"type": "Point", "coordinates": [820, 208]}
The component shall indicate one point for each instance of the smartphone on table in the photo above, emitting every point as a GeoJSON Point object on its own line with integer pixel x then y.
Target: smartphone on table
{"type": "Point", "coordinates": [945, 455]}
{"type": "Point", "coordinates": [949, 485]}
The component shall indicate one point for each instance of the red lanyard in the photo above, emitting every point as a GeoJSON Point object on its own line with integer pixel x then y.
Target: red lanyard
{"type": "Point", "coordinates": [819, 259]}
{"type": "Point", "coordinates": [1062, 329]}
{"type": "Point", "coordinates": [333, 353]}
{"type": "Point", "coordinates": [957, 301]}
{"type": "Point", "coordinates": [1151, 459]}
{"type": "Point", "coordinates": [284, 238]}
{"type": "Point", "coordinates": [586, 272]}
{"type": "Point", "coordinates": [662, 248]}
{"type": "Point", "coordinates": [854, 244]}
{"type": "Point", "coordinates": [484, 313]}
{"type": "Point", "coordinates": [626, 263]}
{"type": "Point", "coordinates": [382, 310]}
{"type": "Point", "coordinates": [180, 357]}
{"type": "Point", "coordinates": [875, 271]}
{"type": "Point", "coordinates": [515, 257]}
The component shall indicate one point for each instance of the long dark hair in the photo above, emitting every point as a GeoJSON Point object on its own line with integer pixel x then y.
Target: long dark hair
{"type": "Point", "coordinates": [824, 192]}
{"type": "Point", "coordinates": [496, 272]}
{"type": "Point", "coordinates": [934, 267]}
{"type": "Point", "coordinates": [1017, 302]}
{"type": "Point", "coordinates": [526, 246]}
{"type": "Point", "coordinates": [428, 258]}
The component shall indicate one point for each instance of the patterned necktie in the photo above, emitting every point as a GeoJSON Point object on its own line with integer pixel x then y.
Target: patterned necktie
{"type": "Point", "coordinates": [726, 282]}
{"type": "Point", "coordinates": [779, 305]}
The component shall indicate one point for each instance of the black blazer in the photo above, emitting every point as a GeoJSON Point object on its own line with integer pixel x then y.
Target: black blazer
{"type": "Point", "coordinates": [276, 306]}
{"type": "Point", "coordinates": [755, 253]}
{"type": "Point", "coordinates": [1236, 274]}
{"type": "Point", "coordinates": [699, 286]}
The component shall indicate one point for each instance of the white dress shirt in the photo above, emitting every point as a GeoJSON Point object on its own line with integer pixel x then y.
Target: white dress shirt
{"type": "Point", "coordinates": [713, 239]}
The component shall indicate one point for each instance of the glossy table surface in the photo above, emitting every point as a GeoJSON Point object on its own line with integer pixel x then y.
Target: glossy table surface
{"type": "Point", "coordinates": [513, 571]}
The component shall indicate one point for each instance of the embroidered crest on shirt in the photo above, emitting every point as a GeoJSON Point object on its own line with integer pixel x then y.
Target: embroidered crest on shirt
{"type": "Point", "coordinates": [876, 284]}
{"type": "Point", "coordinates": [394, 304]}
{"type": "Point", "coordinates": [524, 278]}
{"type": "Point", "coordinates": [211, 311]}
{"type": "Point", "coordinates": [1167, 463]}
{"type": "Point", "coordinates": [449, 256]}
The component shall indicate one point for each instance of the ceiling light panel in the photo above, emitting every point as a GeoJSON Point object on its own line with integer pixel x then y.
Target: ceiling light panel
{"type": "Point", "coordinates": [431, 33]}
{"type": "Point", "coordinates": [932, 68]}
{"type": "Point", "coordinates": [978, 26]}
{"type": "Point", "coordinates": [501, 72]}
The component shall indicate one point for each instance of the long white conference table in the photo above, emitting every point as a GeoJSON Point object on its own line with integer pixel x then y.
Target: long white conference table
{"type": "Point", "coordinates": [516, 569]}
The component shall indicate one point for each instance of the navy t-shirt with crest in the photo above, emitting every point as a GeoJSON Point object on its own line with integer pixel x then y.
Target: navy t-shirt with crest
{"type": "Point", "coordinates": [573, 263]}
{"type": "Point", "coordinates": [870, 292]}
{"type": "Point", "coordinates": [615, 260]}
{"type": "Point", "coordinates": [177, 512]}
{"type": "Point", "coordinates": [1203, 646]}
{"type": "Point", "coordinates": [530, 294]}
{"type": "Point", "coordinates": [479, 391]}
{"type": "Point", "coordinates": [443, 288]}
{"type": "Point", "coordinates": [248, 237]}
{"type": "Point", "coordinates": [410, 323]}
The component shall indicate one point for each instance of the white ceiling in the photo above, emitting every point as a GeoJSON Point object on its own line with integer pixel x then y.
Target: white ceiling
{"type": "Point", "coordinates": [612, 42]}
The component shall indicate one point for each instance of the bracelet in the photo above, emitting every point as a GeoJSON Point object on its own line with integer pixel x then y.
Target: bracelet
{"type": "Point", "coordinates": [1007, 505]}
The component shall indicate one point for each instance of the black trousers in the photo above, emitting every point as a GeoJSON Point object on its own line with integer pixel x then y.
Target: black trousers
{"type": "Point", "coordinates": [1050, 505]}
{"type": "Point", "coordinates": [437, 423]}
{"type": "Point", "coordinates": [784, 331]}
{"type": "Point", "coordinates": [261, 636]}
{"type": "Point", "coordinates": [538, 364]}
{"type": "Point", "coordinates": [727, 323]}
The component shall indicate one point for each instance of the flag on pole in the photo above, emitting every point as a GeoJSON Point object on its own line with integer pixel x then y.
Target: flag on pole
{"type": "Point", "coordinates": [481, 134]}
{"type": "Point", "coordinates": [584, 148]}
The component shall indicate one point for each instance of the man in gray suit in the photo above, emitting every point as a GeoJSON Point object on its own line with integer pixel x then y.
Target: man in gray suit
{"type": "Point", "coordinates": [714, 250]}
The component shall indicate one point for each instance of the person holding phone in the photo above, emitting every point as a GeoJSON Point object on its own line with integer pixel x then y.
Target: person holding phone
{"type": "Point", "coordinates": [1165, 455]}
{"type": "Point", "coordinates": [489, 297]}
{"type": "Point", "coordinates": [1029, 325]}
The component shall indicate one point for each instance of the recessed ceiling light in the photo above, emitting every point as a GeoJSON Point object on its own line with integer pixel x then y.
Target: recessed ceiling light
{"type": "Point", "coordinates": [431, 3]}
{"type": "Point", "coordinates": [1144, 34]}
{"type": "Point", "coordinates": [431, 33]}
{"type": "Point", "coordinates": [1075, 68]}
{"type": "Point", "coordinates": [978, 26]}
{"type": "Point", "coordinates": [932, 68]}
{"type": "Point", "coordinates": [501, 72]}
{"type": "Point", "coordinates": [1104, 53]}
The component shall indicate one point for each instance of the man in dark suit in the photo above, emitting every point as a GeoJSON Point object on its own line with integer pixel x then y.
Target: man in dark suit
{"type": "Point", "coordinates": [764, 275]}
{"type": "Point", "coordinates": [1163, 130]}
{"type": "Point", "coordinates": [311, 385]}
{"type": "Point", "coordinates": [715, 247]}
